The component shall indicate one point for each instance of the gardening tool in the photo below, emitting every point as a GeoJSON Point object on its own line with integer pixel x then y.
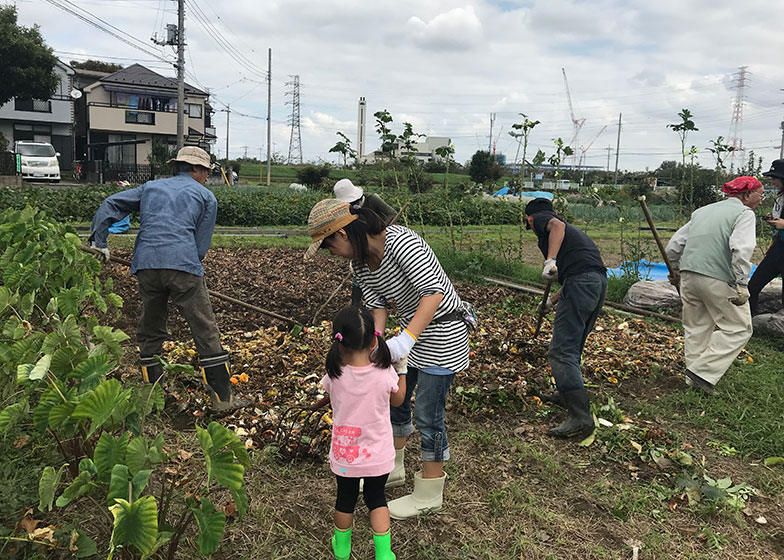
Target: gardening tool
{"type": "Point", "coordinates": [541, 313]}
{"type": "Point", "coordinates": [213, 293]}
{"type": "Point", "coordinates": [656, 236]}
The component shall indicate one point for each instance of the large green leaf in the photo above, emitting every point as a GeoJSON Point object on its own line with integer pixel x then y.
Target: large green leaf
{"type": "Point", "coordinates": [69, 329]}
{"type": "Point", "coordinates": [124, 486]}
{"type": "Point", "coordinates": [140, 453]}
{"type": "Point", "coordinates": [66, 358]}
{"type": "Point", "coordinates": [100, 403]}
{"type": "Point", "coordinates": [49, 399]}
{"type": "Point", "coordinates": [222, 436]}
{"type": "Point", "coordinates": [211, 525]}
{"type": "Point", "coordinates": [81, 485]}
{"type": "Point", "coordinates": [85, 546]}
{"type": "Point", "coordinates": [68, 301]}
{"type": "Point", "coordinates": [7, 298]}
{"type": "Point", "coordinates": [240, 500]}
{"type": "Point", "coordinates": [221, 464]}
{"type": "Point", "coordinates": [110, 340]}
{"type": "Point", "coordinates": [47, 487]}
{"type": "Point", "coordinates": [135, 524]}
{"type": "Point", "coordinates": [92, 371]}
{"type": "Point", "coordinates": [108, 453]}
{"type": "Point", "coordinates": [41, 368]}
{"type": "Point", "coordinates": [12, 413]}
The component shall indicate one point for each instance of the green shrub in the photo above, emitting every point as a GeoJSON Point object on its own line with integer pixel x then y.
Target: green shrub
{"type": "Point", "coordinates": [314, 176]}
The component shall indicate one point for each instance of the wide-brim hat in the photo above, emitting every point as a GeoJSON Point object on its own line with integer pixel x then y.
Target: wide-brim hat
{"type": "Point", "coordinates": [776, 170]}
{"type": "Point", "coordinates": [326, 217]}
{"type": "Point", "coordinates": [347, 191]}
{"type": "Point", "coordinates": [193, 155]}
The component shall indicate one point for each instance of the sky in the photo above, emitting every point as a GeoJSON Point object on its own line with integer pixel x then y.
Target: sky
{"type": "Point", "coordinates": [445, 66]}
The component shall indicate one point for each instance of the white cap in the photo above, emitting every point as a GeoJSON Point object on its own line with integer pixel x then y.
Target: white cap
{"type": "Point", "coordinates": [346, 191]}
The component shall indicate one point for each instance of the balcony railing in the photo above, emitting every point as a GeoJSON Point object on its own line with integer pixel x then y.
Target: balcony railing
{"type": "Point", "coordinates": [126, 107]}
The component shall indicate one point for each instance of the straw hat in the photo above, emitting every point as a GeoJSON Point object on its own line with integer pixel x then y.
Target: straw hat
{"type": "Point", "coordinates": [194, 156]}
{"type": "Point", "coordinates": [326, 217]}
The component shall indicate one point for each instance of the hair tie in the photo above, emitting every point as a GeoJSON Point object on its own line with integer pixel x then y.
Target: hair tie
{"type": "Point", "coordinates": [339, 336]}
{"type": "Point", "coordinates": [378, 333]}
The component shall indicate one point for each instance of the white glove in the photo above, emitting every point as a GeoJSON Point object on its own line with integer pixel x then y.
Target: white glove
{"type": "Point", "coordinates": [104, 256]}
{"type": "Point", "coordinates": [550, 271]}
{"type": "Point", "coordinates": [545, 307]}
{"type": "Point", "coordinates": [741, 295]}
{"type": "Point", "coordinates": [400, 346]}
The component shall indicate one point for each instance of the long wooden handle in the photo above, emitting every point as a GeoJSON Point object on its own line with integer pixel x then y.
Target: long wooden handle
{"type": "Point", "coordinates": [213, 293]}
{"type": "Point", "coordinates": [540, 314]}
{"type": "Point", "coordinates": [655, 233]}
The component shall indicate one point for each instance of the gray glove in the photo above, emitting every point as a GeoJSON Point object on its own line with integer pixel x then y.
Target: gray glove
{"type": "Point", "coordinates": [675, 278]}
{"type": "Point", "coordinates": [104, 256]}
{"type": "Point", "coordinates": [741, 295]}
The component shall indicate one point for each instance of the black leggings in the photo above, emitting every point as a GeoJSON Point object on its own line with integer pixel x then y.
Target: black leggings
{"type": "Point", "coordinates": [770, 267]}
{"type": "Point", "coordinates": [348, 492]}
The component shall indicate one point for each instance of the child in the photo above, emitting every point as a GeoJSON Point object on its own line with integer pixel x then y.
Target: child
{"type": "Point", "coordinates": [361, 389]}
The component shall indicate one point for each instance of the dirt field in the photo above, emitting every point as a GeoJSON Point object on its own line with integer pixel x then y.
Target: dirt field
{"type": "Point", "coordinates": [512, 492]}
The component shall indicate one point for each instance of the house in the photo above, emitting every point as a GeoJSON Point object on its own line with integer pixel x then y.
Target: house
{"type": "Point", "coordinates": [49, 121]}
{"type": "Point", "coordinates": [121, 115]}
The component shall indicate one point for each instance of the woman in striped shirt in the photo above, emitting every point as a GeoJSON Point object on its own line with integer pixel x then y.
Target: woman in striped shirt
{"type": "Point", "coordinates": [394, 265]}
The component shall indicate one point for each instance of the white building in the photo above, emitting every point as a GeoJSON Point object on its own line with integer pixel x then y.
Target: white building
{"type": "Point", "coordinates": [423, 152]}
{"type": "Point", "coordinates": [49, 121]}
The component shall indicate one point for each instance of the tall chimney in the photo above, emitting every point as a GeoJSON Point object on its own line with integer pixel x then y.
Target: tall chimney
{"type": "Point", "coordinates": [361, 127]}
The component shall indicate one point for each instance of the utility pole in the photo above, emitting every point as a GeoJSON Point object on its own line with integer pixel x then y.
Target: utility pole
{"type": "Point", "coordinates": [609, 149]}
{"type": "Point", "coordinates": [228, 111]}
{"type": "Point", "coordinates": [618, 149]}
{"type": "Point", "coordinates": [269, 109]}
{"type": "Point", "coordinates": [180, 73]}
{"type": "Point", "coordinates": [781, 149]}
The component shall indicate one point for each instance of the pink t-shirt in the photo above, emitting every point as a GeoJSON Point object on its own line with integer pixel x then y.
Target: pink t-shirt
{"type": "Point", "coordinates": [362, 442]}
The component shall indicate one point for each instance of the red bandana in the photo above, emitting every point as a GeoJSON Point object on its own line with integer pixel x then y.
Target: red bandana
{"type": "Point", "coordinates": [741, 185]}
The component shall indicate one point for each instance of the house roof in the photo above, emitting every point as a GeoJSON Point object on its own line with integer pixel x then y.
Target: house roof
{"type": "Point", "coordinates": [138, 75]}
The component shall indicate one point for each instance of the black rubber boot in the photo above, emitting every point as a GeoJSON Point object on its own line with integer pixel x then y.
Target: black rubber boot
{"type": "Point", "coordinates": [152, 370]}
{"type": "Point", "coordinates": [553, 398]}
{"type": "Point", "coordinates": [579, 420]}
{"type": "Point", "coordinates": [215, 372]}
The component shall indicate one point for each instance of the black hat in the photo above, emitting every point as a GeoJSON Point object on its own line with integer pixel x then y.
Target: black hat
{"type": "Point", "coordinates": [776, 170]}
{"type": "Point", "coordinates": [538, 205]}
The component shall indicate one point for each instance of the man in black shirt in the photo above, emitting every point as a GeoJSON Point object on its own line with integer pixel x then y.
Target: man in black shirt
{"type": "Point", "coordinates": [574, 261]}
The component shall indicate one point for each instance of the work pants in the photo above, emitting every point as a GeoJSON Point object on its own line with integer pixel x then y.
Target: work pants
{"type": "Point", "coordinates": [715, 330]}
{"type": "Point", "coordinates": [770, 267]}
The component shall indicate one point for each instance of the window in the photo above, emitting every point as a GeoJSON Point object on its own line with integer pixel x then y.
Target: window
{"type": "Point", "coordinates": [148, 103]}
{"type": "Point", "coordinates": [137, 117]}
{"type": "Point", "coordinates": [35, 132]}
{"type": "Point", "coordinates": [116, 152]}
{"type": "Point", "coordinates": [33, 105]}
{"type": "Point", "coordinates": [193, 110]}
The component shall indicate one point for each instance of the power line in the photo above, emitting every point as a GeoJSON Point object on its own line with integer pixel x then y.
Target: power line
{"type": "Point", "coordinates": [119, 35]}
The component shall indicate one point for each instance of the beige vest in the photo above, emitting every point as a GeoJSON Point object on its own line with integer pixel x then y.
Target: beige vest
{"type": "Point", "coordinates": [707, 249]}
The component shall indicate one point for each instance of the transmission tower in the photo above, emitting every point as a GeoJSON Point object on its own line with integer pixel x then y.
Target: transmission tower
{"type": "Point", "coordinates": [736, 126]}
{"type": "Point", "coordinates": [295, 142]}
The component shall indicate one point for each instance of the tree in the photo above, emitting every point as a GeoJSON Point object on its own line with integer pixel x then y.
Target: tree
{"type": "Point", "coordinates": [344, 148]}
{"type": "Point", "coordinates": [96, 66]}
{"type": "Point", "coordinates": [160, 153]}
{"type": "Point", "coordinates": [682, 129]}
{"type": "Point", "coordinates": [26, 63]}
{"type": "Point", "coordinates": [483, 167]}
{"type": "Point", "coordinates": [522, 130]}
{"type": "Point", "coordinates": [718, 149]}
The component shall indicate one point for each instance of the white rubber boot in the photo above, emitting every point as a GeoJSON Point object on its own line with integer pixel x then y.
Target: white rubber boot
{"type": "Point", "coordinates": [427, 497]}
{"type": "Point", "coordinates": [398, 475]}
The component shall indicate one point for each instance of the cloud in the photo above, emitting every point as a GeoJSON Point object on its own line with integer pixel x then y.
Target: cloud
{"type": "Point", "coordinates": [456, 30]}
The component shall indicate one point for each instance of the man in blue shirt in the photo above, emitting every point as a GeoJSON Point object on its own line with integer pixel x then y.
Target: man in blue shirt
{"type": "Point", "coordinates": [177, 218]}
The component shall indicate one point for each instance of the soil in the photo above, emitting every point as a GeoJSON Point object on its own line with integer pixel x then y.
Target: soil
{"type": "Point", "coordinates": [513, 492]}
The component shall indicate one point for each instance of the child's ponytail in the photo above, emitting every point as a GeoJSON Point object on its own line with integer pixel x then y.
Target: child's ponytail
{"type": "Point", "coordinates": [382, 358]}
{"type": "Point", "coordinates": [334, 362]}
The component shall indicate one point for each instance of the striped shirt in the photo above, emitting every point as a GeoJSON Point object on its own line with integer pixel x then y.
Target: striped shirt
{"type": "Point", "coordinates": [409, 271]}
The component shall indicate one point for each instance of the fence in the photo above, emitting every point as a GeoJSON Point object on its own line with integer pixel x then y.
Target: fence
{"type": "Point", "coordinates": [8, 165]}
{"type": "Point", "coordinates": [108, 172]}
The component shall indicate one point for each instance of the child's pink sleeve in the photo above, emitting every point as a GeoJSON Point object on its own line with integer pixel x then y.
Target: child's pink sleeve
{"type": "Point", "coordinates": [393, 379]}
{"type": "Point", "coordinates": [326, 381]}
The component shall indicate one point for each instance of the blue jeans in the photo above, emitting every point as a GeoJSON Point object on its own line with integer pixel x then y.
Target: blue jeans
{"type": "Point", "coordinates": [579, 304]}
{"type": "Point", "coordinates": [428, 411]}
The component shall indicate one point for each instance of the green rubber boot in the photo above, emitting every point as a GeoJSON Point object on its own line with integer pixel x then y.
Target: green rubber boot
{"type": "Point", "coordinates": [341, 543]}
{"type": "Point", "coordinates": [383, 546]}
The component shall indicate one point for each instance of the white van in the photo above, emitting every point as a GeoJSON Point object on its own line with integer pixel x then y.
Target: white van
{"type": "Point", "coordinates": [39, 160]}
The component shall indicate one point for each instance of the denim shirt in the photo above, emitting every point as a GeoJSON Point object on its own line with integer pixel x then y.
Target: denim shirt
{"type": "Point", "coordinates": [177, 218]}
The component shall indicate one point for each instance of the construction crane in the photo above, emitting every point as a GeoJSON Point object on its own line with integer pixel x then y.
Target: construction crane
{"type": "Point", "coordinates": [583, 150]}
{"type": "Point", "coordinates": [576, 123]}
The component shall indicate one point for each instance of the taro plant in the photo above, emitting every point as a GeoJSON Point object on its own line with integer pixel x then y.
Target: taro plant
{"type": "Point", "coordinates": [447, 152]}
{"type": "Point", "coordinates": [343, 147]}
{"type": "Point", "coordinates": [682, 129]}
{"type": "Point", "coordinates": [719, 149]}
{"type": "Point", "coordinates": [522, 130]}
{"type": "Point", "coordinates": [59, 375]}
{"type": "Point", "coordinates": [561, 152]}
{"type": "Point", "coordinates": [407, 141]}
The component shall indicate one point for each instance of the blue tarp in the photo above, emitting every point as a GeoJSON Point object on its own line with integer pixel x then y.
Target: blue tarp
{"type": "Point", "coordinates": [650, 270]}
{"type": "Point", "coordinates": [530, 194]}
{"type": "Point", "coordinates": [122, 226]}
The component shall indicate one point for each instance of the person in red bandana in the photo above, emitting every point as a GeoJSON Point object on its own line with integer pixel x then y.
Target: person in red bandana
{"type": "Point", "coordinates": [711, 260]}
